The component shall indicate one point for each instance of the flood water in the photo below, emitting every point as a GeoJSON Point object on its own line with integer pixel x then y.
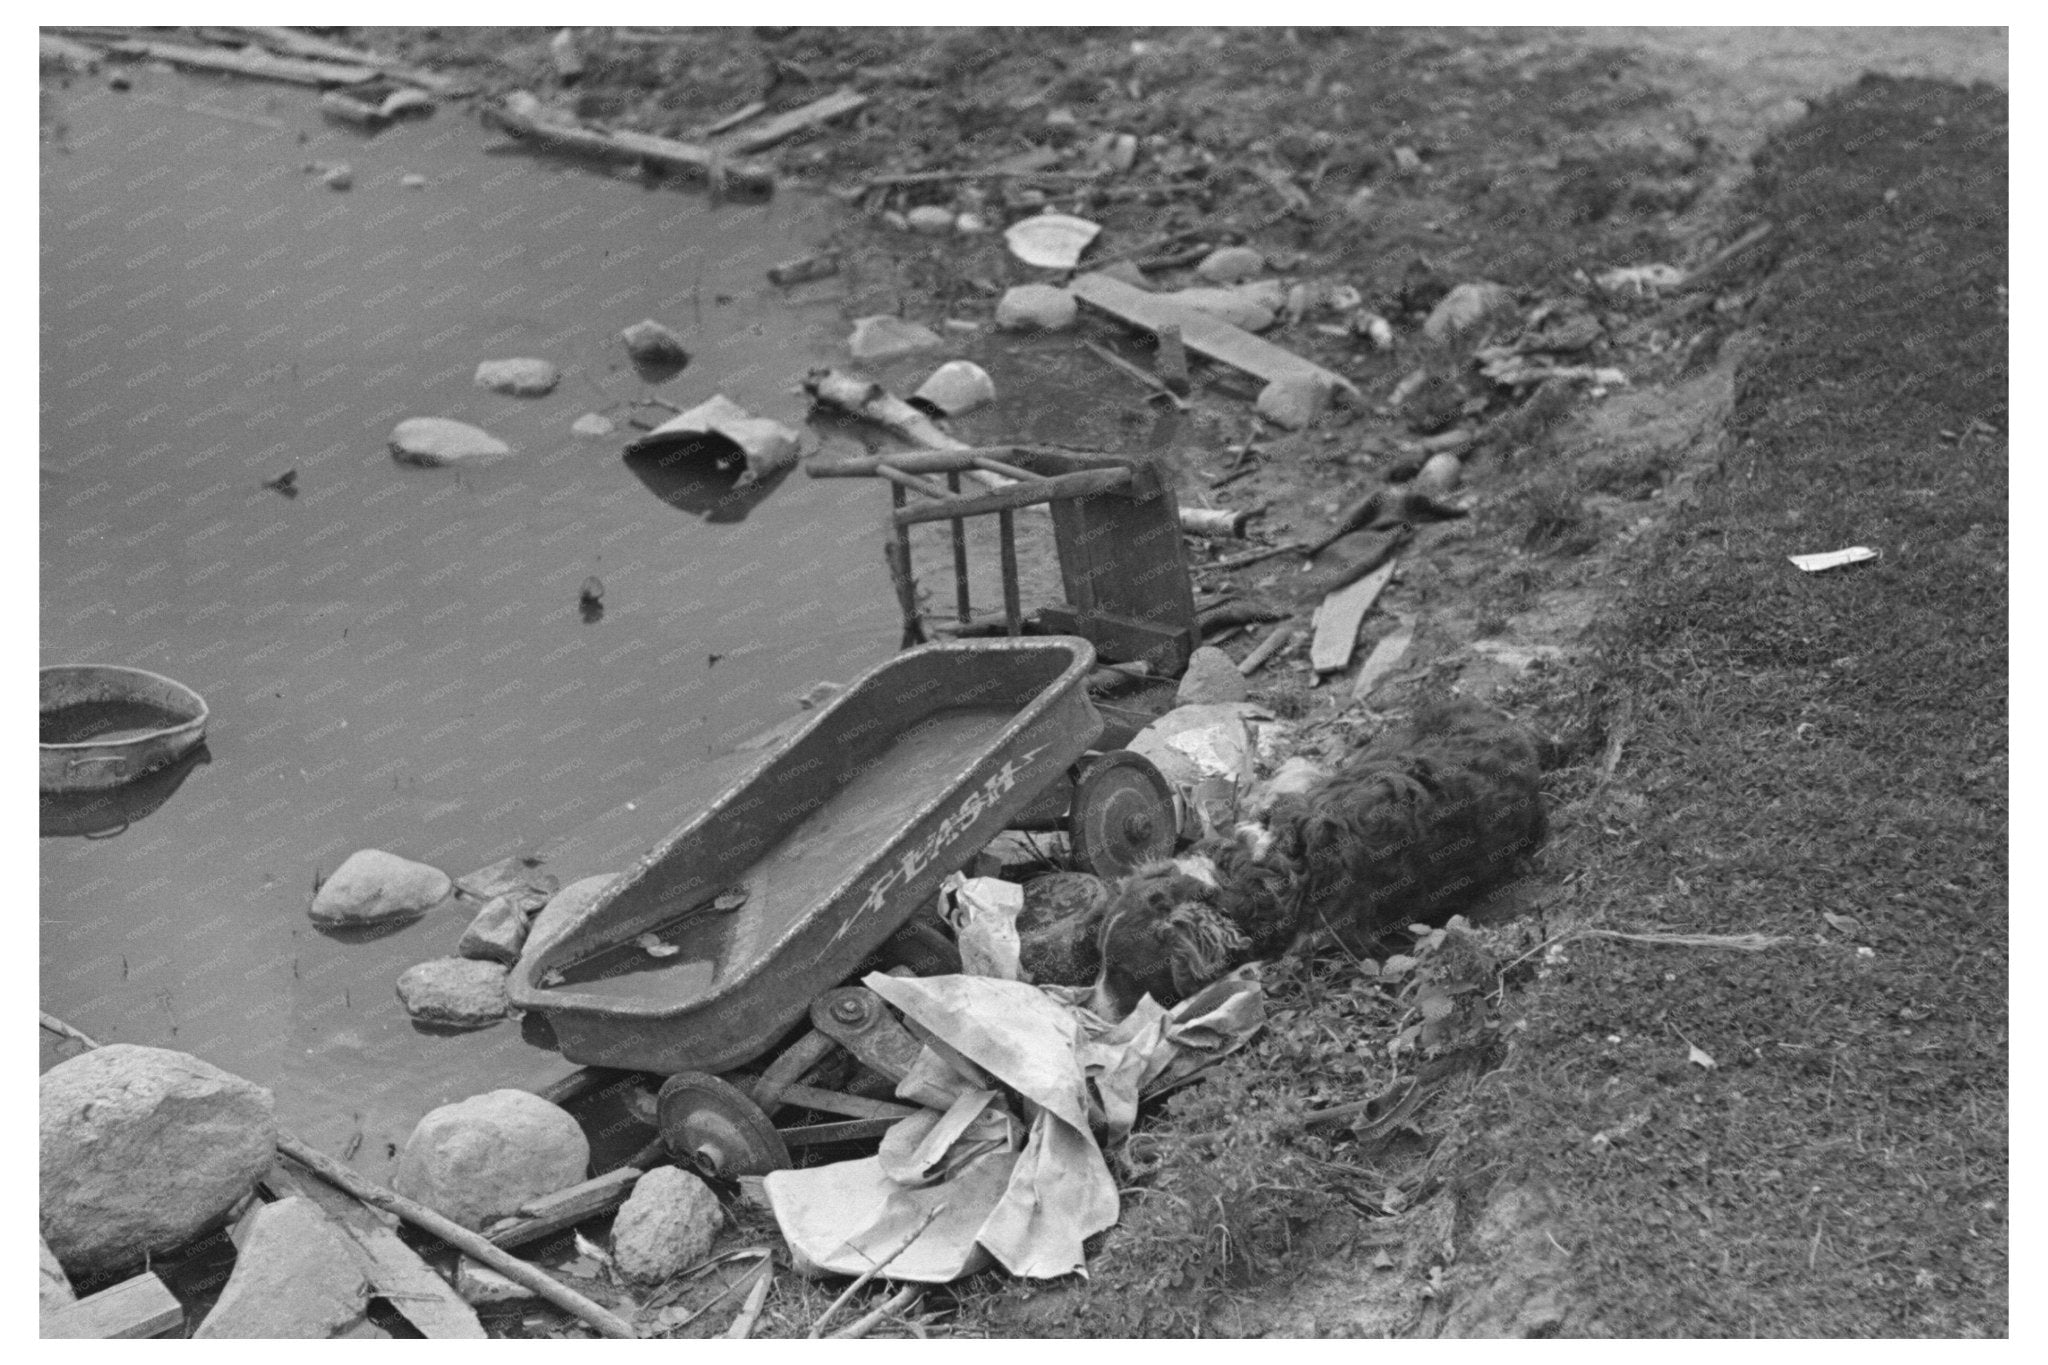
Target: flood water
{"type": "Point", "coordinates": [396, 657]}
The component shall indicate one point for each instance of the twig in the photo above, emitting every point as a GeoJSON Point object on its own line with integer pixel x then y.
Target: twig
{"type": "Point", "coordinates": [895, 1303]}
{"type": "Point", "coordinates": [750, 1312]}
{"type": "Point", "coordinates": [1744, 943]}
{"type": "Point", "coordinates": [1275, 640]}
{"type": "Point", "coordinates": [818, 1327]}
{"type": "Point", "coordinates": [1146, 377]}
{"type": "Point", "coordinates": [506, 1264]}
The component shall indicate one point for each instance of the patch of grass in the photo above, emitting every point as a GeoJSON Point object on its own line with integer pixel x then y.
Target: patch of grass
{"type": "Point", "coordinates": [1557, 521]}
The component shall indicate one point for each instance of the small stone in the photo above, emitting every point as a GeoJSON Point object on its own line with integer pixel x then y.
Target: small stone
{"type": "Point", "coordinates": [1211, 677]}
{"type": "Point", "coordinates": [592, 424]}
{"type": "Point", "coordinates": [1293, 401]}
{"type": "Point", "coordinates": [1036, 308]}
{"type": "Point", "coordinates": [56, 1289]}
{"type": "Point", "coordinates": [375, 887]}
{"type": "Point", "coordinates": [483, 1157]}
{"type": "Point", "coordinates": [433, 441]}
{"type": "Point", "coordinates": [339, 177]}
{"type": "Point", "coordinates": [666, 1225]}
{"type": "Point", "coordinates": [523, 377]}
{"type": "Point", "coordinates": [499, 929]}
{"type": "Point", "coordinates": [482, 1286]}
{"type": "Point", "coordinates": [1056, 930]}
{"type": "Point", "coordinates": [1468, 312]}
{"type": "Point", "coordinates": [655, 347]}
{"type": "Point", "coordinates": [414, 181]}
{"type": "Point", "coordinates": [1230, 265]}
{"type": "Point", "coordinates": [968, 224]}
{"type": "Point", "coordinates": [141, 1149]}
{"type": "Point", "coordinates": [295, 1278]}
{"type": "Point", "coordinates": [931, 220]}
{"type": "Point", "coordinates": [458, 992]}
{"type": "Point", "coordinates": [885, 337]}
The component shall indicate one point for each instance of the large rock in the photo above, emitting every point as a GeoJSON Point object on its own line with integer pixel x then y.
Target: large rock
{"type": "Point", "coordinates": [1056, 929]}
{"type": "Point", "coordinates": [56, 1286]}
{"type": "Point", "coordinates": [141, 1149]}
{"type": "Point", "coordinates": [565, 908]}
{"type": "Point", "coordinates": [1036, 308]}
{"type": "Point", "coordinates": [1230, 264]}
{"type": "Point", "coordinates": [295, 1277]}
{"type": "Point", "coordinates": [884, 337]}
{"type": "Point", "coordinates": [375, 887]}
{"type": "Point", "coordinates": [666, 1225]}
{"type": "Point", "coordinates": [459, 992]}
{"type": "Point", "coordinates": [442, 440]}
{"type": "Point", "coordinates": [481, 1158]}
{"type": "Point", "coordinates": [499, 930]}
{"type": "Point", "coordinates": [522, 377]}
{"type": "Point", "coordinates": [1211, 677]}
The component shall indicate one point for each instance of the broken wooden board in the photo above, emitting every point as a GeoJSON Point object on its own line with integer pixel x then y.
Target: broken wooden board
{"type": "Point", "coordinates": [788, 125]}
{"type": "Point", "coordinates": [626, 145]}
{"type": "Point", "coordinates": [1385, 657]}
{"type": "Point", "coordinates": [141, 1307]}
{"type": "Point", "coordinates": [565, 1208]}
{"type": "Point", "coordinates": [1338, 618]}
{"type": "Point", "coordinates": [249, 62]}
{"type": "Point", "coordinates": [1205, 335]}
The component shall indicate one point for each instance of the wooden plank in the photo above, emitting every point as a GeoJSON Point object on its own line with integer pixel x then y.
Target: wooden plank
{"type": "Point", "coordinates": [566, 1208]}
{"type": "Point", "coordinates": [141, 1307]}
{"type": "Point", "coordinates": [834, 105]}
{"type": "Point", "coordinates": [1338, 618]}
{"type": "Point", "coordinates": [247, 62]}
{"type": "Point", "coordinates": [1205, 335]}
{"type": "Point", "coordinates": [625, 145]}
{"type": "Point", "coordinates": [1385, 657]}
{"type": "Point", "coordinates": [299, 43]}
{"type": "Point", "coordinates": [1017, 495]}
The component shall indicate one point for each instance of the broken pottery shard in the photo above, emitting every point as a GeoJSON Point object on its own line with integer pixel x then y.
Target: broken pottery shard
{"type": "Point", "coordinates": [435, 441]}
{"type": "Point", "coordinates": [1036, 308]}
{"type": "Point", "coordinates": [768, 446]}
{"type": "Point", "coordinates": [1051, 241]}
{"type": "Point", "coordinates": [884, 337]}
{"type": "Point", "coordinates": [654, 347]}
{"type": "Point", "coordinates": [955, 387]}
{"type": "Point", "coordinates": [522, 377]}
{"type": "Point", "coordinates": [457, 992]}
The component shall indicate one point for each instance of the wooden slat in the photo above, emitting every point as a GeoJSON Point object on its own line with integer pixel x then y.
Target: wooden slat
{"type": "Point", "coordinates": [248, 62]}
{"type": "Point", "coordinates": [1210, 336]}
{"type": "Point", "coordinates": [566, 1208]}
{"type": "Point", "coordinates": [1338, 619]}
{"type": "Point", "coordinates": [1385, 657]}
{"type": "Point", "coordinates": [141, 1307]}
{"type": "Point", "coordinates": [626, 145]}
{"type": "Point", "coordinates": [894, 475]}
{"type": "Point", "coordinates": [1017, 495]}
{"type": "Point", "coordinates": [302, 44]}
{"type": "Point", "coordinates": [782, 126]}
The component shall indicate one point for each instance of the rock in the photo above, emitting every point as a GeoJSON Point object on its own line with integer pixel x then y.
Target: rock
{"type": "Point", "coordinates": [968, 224]}
{"type": "Point", "coordinates": [375, 887]}
{"type": "Point", "coordinates": [483, 1286]}
{"type": "Point", "coordinates": [592, 424]}
{"type": "Point", "coordinates": [1230, 264]}
{"type": "Point", "coordinates": [414, 181]}
{"type": "Point", "coordinates": [1056, 928]}
{"type": "Point", "coordinates": [296, 1277]}
{"type": "Point", "coordinates": [568, 904]}
{"type": "Point", "coordinates": [339, 177]}
{"type": "Point", "coordinates": [481, 1158]}
{"type": "Point", "coordinates": [955, 387]}
{"type": "Point", "coordinates": [930, 219]}
{"type": "Point", "coordinates": [884, 337]}
{"type": "Point", "coordinates": [461, 992]}
{"type": "Point", "coordinates": [1050, 241]}
{"type": "Point", "coordinates": [517, 872]}
{"type": "Point", "coordinates": [1407, 162]}
{"type": "Point", "coordinates": [405, 101]}
{"type": "Point", "coordinates": [523, 377]}
{"type": "Point", "coordinates": [667, 1224]}
{"type": "Point", "coordinates": [1293, 401]}
{"type": "Point", "coordinates": [1211, 677]}
{"type": "Point", "coordinates": [655, 347]}
{"type": "Point", "coordinates": [141, 1148]}
{"type": "Point", "coordinates": [1036, 308]}
{"type": "Point", "coordinates": [499, 930]}
{"type": "Point", "coordinates": [1468, 312]}
{"type": "Point", "coordinates": [56, 1286]}
{"type": "Point", "coordinates": [440, 440]}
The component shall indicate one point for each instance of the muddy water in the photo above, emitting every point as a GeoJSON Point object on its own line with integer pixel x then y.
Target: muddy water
{"type": "Point", "coordinates": [395, 657]}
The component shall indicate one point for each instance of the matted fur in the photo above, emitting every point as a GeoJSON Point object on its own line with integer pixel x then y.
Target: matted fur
{"type": "Point", "coordinates": [1420, 823]}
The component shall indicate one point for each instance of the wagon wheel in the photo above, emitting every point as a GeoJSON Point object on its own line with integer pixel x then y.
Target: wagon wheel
{"type": "Point", "coordinates": [1122, 815]}
{"type": "Point", "coordinates": [714, 1125]}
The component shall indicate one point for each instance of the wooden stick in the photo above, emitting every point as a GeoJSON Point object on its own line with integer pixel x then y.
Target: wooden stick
{"type": "Point", "coordinates": [877, 1268]}
{"type": "Point", "coordinates": [627, 145]}
{"type": "Point", "coordinates": [912, 482]}
{"type": "Point", "coordinates": [1255, 556]}
{"type": "Point", "coordinates": [1276, 639]}
{"type": "Point", "coordinates": [894, 1304]}
{"type": "Point", "coordinates": [1015, 495]}
{"type": "Point", "coordinates": [247, 63]}
{"type": "Point", "coordinates": [795, 121]}
{"type": "Point", "coordinates": [757, 1297]}
{"type": "Point", "coordinates": [1151, 381]}
{"type": "Point", "coordinates": [449, 1231]}
{"type": "Point", "coordinates": [1173, 360]}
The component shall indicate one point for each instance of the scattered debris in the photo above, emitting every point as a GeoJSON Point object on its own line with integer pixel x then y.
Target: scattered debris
{"type": "Point", "coordinates": [524, 119]}
{"type": "Point", "coordinates": [247, 62]}
{"type": "Point", "coordinates": [764, 447]}
{"type": "Point", "coordinates": [1051, 241]}
{"type": "Point", "coordinates": [1215, 522]}
{"type": "Point", "coordinates": [1640, 279]}
{"type": "Point", "coordinates": [1338, 617]}
{"type": "Point", "coordinates": [784, 126]}
{"type": "Point", "coordinates": [803, 268]}
{"type": "Point", "coordinates": [1386, 656]}
{"type": "Point", "coordinates": [1157, 386]}
{"type": "Point", "coordinates": [984, 919]}
{"type": "Point", "coordinates": [523, 377]}
{"type": "Point", "coordinates": [1464, 316]}
{"type": "Point", "coordinates": [1211, 677]}
{"type": "Point", "coordinates": [884, 337]}
{"type": "Point", "coordinates": [435, 441]}
{"type": "Point", "coordinates": [136, 1308]}
{"type": "Point", "coordinates": [1834, 559]}
{"type": "Point", "coordinates": [1276, 640]}
{"type": "Point", "coordinates": [1294, 401]}
{"type": "Point", "coordinates": [956, 387]}
{"type": "Point", "coordinates": [1036, 308]}
{"type": "Point", "coordinates": [1209, 336]}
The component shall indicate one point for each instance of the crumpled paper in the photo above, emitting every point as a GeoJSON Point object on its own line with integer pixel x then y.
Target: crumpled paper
{"type": "Point", "coordinates": [984, 919]}
{"type": "Point", "coordinates": [1026, 1190]}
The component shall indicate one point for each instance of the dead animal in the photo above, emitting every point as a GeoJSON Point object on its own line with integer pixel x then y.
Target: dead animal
{"type": "Point", "coordinates": [1415, 827]}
